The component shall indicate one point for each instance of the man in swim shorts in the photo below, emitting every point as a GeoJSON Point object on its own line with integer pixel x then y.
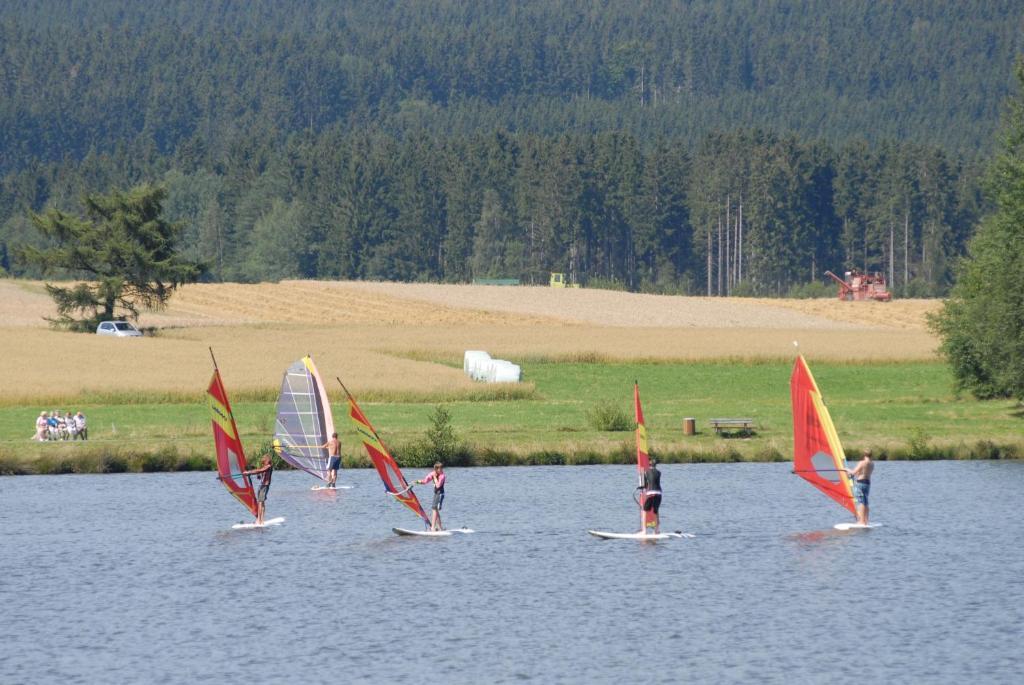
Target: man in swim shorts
{"type": "Point", "coordinates": [438, 477]}
{"type": "Point", "coordinates": [651, 490]}
{"type": "Point", "coordinates": [861, 475]}
{"type": "Point", "coordinates": [265, 472]}
{"type": "Point", "coordinates": [334, 459]}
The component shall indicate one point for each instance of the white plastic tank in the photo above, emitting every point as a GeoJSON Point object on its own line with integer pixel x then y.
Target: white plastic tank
{"type": "Point", "coordinates": [502, 371]}
{"type": "Point", "coordinates": [472, 361]}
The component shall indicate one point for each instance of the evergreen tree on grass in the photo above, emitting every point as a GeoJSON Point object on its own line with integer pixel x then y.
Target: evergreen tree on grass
{"type": "Point", "coordinates": [982, 323]}
{"type": "Point", "coordinates": [122, 250]}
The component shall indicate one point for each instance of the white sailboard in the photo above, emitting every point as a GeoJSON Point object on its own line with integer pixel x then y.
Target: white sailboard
{"type": "Point", "coordinates": [856, 526]}
{"type": "Point", "coordinates": [642, 536]}
{"type": "Point", "coordinates": [432, 533]}
{"type": "Point", "coordinates": [269, 522]}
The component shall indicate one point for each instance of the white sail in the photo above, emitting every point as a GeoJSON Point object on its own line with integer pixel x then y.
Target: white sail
{"type": "Point", "coordinates": [304, 422]}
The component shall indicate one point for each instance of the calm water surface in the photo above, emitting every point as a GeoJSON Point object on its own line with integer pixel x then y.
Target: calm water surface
{"type": "Point", "coordinates": [140, 578]}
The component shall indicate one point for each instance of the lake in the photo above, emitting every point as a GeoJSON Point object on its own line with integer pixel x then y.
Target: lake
{"type": "Point", "coordinates": [140, 578]}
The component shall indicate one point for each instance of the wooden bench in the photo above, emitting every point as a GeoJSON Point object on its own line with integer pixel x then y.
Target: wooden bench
{"type": "Point", "coordinates": [745, 426]}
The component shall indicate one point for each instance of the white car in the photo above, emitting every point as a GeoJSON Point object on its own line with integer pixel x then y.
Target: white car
{"type": "Point", "coordinates": [118, 329]}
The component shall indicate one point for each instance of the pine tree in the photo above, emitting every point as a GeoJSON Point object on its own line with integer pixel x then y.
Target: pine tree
{"type": "Point", "coordinates": [123, 250]}
{"type": "Point", "coordinates": [982, 323]}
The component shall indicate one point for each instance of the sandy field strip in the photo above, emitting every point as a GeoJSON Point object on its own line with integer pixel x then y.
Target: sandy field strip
{"type": "Point", "coordinates": [387, 358]}
{"type": "Point", "coordinates": [390, 337]}
{"type": "Point", "coordinates": [39, 362]}
{"type": "Point", "coordinates": [347, 302]}
{"type": "Point", "coordinates": [612, 308]}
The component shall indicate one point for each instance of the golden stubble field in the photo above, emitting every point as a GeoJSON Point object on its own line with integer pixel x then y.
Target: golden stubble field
{"type": "Point", "coordinates": [409, 338]}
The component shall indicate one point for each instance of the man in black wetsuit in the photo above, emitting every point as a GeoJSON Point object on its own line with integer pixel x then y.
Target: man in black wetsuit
{"type": "Point", "coordinates": [652, 489]}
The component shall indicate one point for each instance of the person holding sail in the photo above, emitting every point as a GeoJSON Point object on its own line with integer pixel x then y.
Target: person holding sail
{"type": "Point", "coordinates": [265, 472]}
{"type": "Point", "coordinates": [861, 475]}
{"type": "Point", "coordinates": [333, 447]}
{"type": "Point", "coordinates": [438, 477]}
{"type": "Point", "coordinates": [652, 489]}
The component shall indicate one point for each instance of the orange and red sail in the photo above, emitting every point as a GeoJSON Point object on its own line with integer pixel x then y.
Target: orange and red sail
{"type": "Point", "coordinates": [648, 519]}
{"type": "Point", "coordinates": [387, 467]}
{"type": "Point", "coordinates": [230, 456]}
{"type": "Point", "coordinates": [818, 455]}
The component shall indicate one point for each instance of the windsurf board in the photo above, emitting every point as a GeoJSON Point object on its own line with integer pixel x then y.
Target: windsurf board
{"type": "Point", "coordinates": [431, 533]}
{"type": "Point", "coordinates": [856, 526]}
{"type": "Point", "coordinates": [651, 537]}
{"type": "Point", "coordinates": [269, 522]}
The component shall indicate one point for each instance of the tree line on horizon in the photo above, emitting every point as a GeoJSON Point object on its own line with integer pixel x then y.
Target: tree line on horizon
{"type": "Point", "coordinates": [83, 78]}
{"type": "Point", "coordinates": [747, 213]}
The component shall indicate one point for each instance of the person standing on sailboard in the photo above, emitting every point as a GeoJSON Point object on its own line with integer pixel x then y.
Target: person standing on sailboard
{"type": "Point", "coordinates": [652, 489]}
{"type": "Point", "coordinates": [438, 477]}
{"type": "Point", "coordinates": [266, 473]}
{"type": "Point", "coordinates": [861, 474]}
{"type": "Point", "coordinates": [334, 459]}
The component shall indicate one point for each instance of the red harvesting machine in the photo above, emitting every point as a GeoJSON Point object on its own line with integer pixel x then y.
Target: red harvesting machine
{"type": "Point", "coordinates": [858, 286]}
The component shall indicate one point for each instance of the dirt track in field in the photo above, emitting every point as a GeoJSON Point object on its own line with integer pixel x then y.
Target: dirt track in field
{"type": "Point", "coordinates": [611, 308]}
{"type": "Point", "coordinates": [328, 302]}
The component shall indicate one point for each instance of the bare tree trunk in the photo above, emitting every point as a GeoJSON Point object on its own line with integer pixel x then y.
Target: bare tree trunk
{"type": "Point", "coordinates": [865, 265]}
{"type": "Point", "coordinates": [906, 248]}
{"type": "Point", "coordinates": [892, 256]}
{"type": "Point", "coordinates": [739, 271]}
{"type": "Point", "coordinates": [736, 252]}
{"type": "Point", "coordinates": [728, 252]}
{"type": "Point", "coordinates": [924, 253]}
{"type": "Point", "coordinates": [720, 255]}
{"type": "Point", "coordinates": [847, 248]}
{"type": "Point", "coordinates": [709, 261]}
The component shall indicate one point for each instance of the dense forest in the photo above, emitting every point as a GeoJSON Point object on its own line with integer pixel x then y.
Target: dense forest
{"type": "Point", "coordinates": [700, 147]}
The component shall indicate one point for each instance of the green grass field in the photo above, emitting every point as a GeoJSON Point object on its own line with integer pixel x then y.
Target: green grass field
{"type": "Point", "coordinates": [904, 410]}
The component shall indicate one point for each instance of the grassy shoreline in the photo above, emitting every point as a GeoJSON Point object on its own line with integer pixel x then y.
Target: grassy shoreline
{"type": "Point", "coordinates": [902, 411]}
{"type": "Point", "coordinates": [90, 460]}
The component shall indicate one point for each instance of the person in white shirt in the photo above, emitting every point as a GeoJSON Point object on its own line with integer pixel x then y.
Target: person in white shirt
{"type": "Point", "coordinates": [83, 432]}
{"type": "Point", "coordinates": [71, 426]}
{"type": "Point", "coordinates": [41, 427]}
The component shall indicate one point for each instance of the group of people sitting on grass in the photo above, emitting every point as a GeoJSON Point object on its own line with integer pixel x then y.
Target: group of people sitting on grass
{"type": "Point", "coordinates": [54, 426]}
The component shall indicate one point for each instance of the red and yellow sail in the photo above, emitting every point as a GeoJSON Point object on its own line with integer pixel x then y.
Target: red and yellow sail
{"type": "Point", "coordinates": [387, 467]}
{"type": "Point", "coordinates": [818, 455]}
{"type": "Point", "coordinates": [230, 456]}
{"type": "Point", "coordinates": [648, 519]}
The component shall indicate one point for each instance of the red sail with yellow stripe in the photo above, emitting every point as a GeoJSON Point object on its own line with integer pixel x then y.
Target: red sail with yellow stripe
{"type": "Point", "coordinates": [818, 455]}
{"type": "Point", "coordinates": [230, 456]}
{"type": "Point", "coordinates": [387, 468]}
{"type": "Point", "coordinates": [648, 519]}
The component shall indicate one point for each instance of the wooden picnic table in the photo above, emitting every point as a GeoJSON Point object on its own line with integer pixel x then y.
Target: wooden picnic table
{"type": "Point", "coordinates": [739, 425]}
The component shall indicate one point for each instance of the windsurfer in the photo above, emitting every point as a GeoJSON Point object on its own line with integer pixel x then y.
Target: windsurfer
{"type": "Point", "coordinates": [651, 490]}
{"type": "Point", "coordinates": [265, 472]}
{"type": "Point", "coordinates": [861, 475]}
{"type": "Point", "coordinates": [438, 477]}
{"type": "Point", "coordinates": [334, 453]}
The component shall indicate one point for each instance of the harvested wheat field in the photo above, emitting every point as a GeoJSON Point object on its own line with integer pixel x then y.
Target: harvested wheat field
{"type": "Point", "coordinates": [391, 337]}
